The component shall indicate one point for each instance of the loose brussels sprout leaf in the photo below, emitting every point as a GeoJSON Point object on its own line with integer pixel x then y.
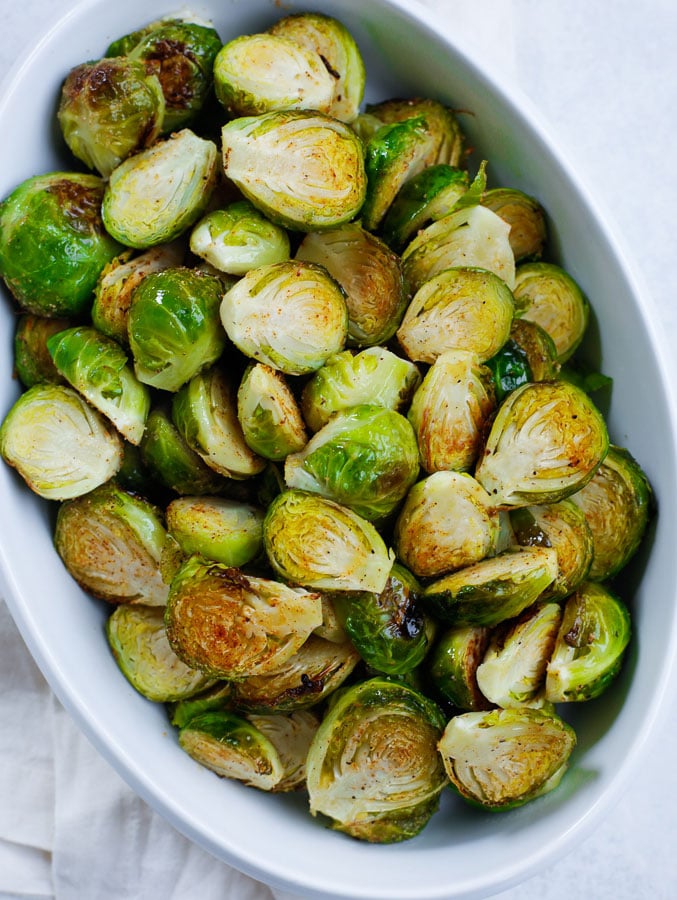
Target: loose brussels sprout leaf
{"type": "Point", "coordinates": [524, 214]}
{"type": "Point", "coordinates": [318, 543]}
{"type": "Point", "coordinates": [339, 51]}
{"type": "Point", "coordinates": [261, 73]}
{"type": "Point", "coordinates": [239, 238]}
{"type": "Point", "coordinates": [460, 308]}
{"type": "Point", "coordinates": [376, 376]}
{"type": "Point", "coordinates": [205, 413]}
{"type": "Point", "coordinates": [291, 736]}
{"type": "Point", "coordinates": [32, 361]}
{"type": "Point", "coordinates": [591, 642]}
{"type": "Point", "coordinates": [155, 195]}
{"type": "Point", "coordinates": [617, 503]}
{"type": "Point", "coordinates": [98, 368]}
{"type": "Point", "coordinates": [291, 316]}
{"type": "Point", "coordinates": [138, 641]}
{"type": "Point", "coordinates": [546, 442]}
{"type": "Point", "coordinates": [450, 411]}
{"type": "Point", "coordinates": [439, 119]}
{"type": "Point", "coordinates": [512, 671]}
{"type": "Point", "coordinates": [232, 626]}
{"type": "Point", "coordinates": [216, 697]}
{"type": "Point", "coordinates": [314, 672]}
{"type": "Point", "coordinates": [373, 766]}
{"type": "Point", "coordinates": [58, 443]}
{"type": "Point", "coordinates": [510, 369]}
{"type": "Point", "coordinates": [453, 662]}
{"type": "Point", "coordinates": [538, 347]}
{"type": "Point", "coordinates": [447, 522]}
{"type": "Point", "coordinates": [111, 543]}
{"type": "Point", "coordinates": [303, 169]}
{"type": "Point", "coordinates": [173, 327]}
{"type": "Point", "coordinates": [53, 244]}
{"type": "Point", "coordinates": [217, 528]}
{"type": "Point", "coordinates": [546, 294]}
{"type": "Point", "coordinates": [108, 110]}
{"type": "Point", "coordinates": [370, 275]}
{"type": "Point", "coordinates": [270, 417]}
{"type": "Point", "coordinates": [365, 458]}
{"type": "Point", "coordinates": [505, 757]}
{"type": "Point", "coordinates": [493, 590]}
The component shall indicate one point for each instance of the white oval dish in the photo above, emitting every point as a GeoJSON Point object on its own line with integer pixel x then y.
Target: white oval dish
{"type": "Point", "coordinates": [462, 852]}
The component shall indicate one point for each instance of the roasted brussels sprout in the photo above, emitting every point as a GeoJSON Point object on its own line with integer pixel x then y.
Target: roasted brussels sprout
{"type": "Point", "coordinates": [216, 697]}
{"type": "Point", "coordinates": [32, 361]}
{"type": "Point", "coordinates": [223, 530]}
{"type": "Point", "coordinates": [538, 348]}
{"type": "Point", "coordinates": [270, 417]}
{"type": "Point", "coordinates": [510, 369]}
{"type": "Point", "coordinates": [503, 758]}
{"type": "Point", "coordinates": [453, 662]}
{"type": "Point", "coordinates": [448, 145]}
{"type": "Point", "coordinates": [524, 214]}
{"type": "Point", "coordinates": [60, 445]}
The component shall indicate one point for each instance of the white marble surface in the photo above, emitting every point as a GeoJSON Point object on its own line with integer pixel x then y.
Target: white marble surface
{"type": "Point", "coordinates": [603, 74]}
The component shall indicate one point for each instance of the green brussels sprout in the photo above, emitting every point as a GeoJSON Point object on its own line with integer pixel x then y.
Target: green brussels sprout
{"type": "Point", "coordinates": [450, 411]}
{"type": "Point", "coordinates": [512, 671]}
{"type": "Point", "coordinates": [216, 697]}
{"type": "Point", "coordinates": [138, 641]}
{"type": "Point", "coordinates": [239, 238]}
{"type": "Point", "coordinates": [314, 672]}
{"type": "Point", "coordinates": [447, 522]}
{"type": "Point", "coordinates": [460, 308]}
{"type": "Point", "coordinates": [510, 369]}
{"type": "Point", "coordinates": [270, 417]}
{"type": "Point", "coordinates": [302, 169]}
{"type": "Point", "coordinates": [538, 348]}
{"type": "Point", "coordinates": [173, 327]}
{"type": "Point", "coordinates": [365, 458]}
{"type": "Point", "coordinates": [232, 626]}
{"type": "Point", "coordinates": [53, 244]}
{"type": "Point", "coordinates": [111, 541]}
{"type": "Point", "coordinates": [32, 361]}
{"type": "Point", "coordinates": [217, 528]}
{"type": "Point", "coordinates": [492, 590]}
{"type": "Point", "coordinates": [98, 368]}
{"type": "Point", "coordinates": [370, 275]}
{"type": "Point", "coordinates": [590, 646]}
{"type": "Point", "coordinates": [546, 442]}
{"type": "Point", "coordinates": [157, 194]}
{"type": "Point", "coordinates": [291, 316]}
{"type": "Point", "coordinates": [376, 376]}
{"type": "Point", "coordinates": [453, 662]}
{"type": "Point", "coordinates": [502, 758]}
{"type": "Point", "coordinates": [562, 526]}
{"type": "Point", "coordinates": [617, 503]}
{"type": "Point", "coordinates": [108, 110]}
{"type": "Point", "coordinates": [525, 215]}
{"type": "Point", "coordinates": [339, 51]}
{"type": "Point", "coordinates": [313, 541]}
{"type": "Point", "coordinates": [439, 119]}
{"type": "Point", "coordinates": [546, 294]}
{"type": "Point", "coordinates": [373, 767]}
{"type": "Point", "coordinates": [58, 443]}
{"type": "Point", "coordinates": [205, 413]}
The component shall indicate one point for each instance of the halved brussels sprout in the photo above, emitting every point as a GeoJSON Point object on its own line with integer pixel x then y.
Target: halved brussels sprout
{"type": "Point", "coordinates": [111, 543]}
{"type": "Point", "coordinates": [271, 420]}
{"type": "Point", "coordinates": [303, 169]}
{"type": "Point", "coordinates": [232, 626]}
{"type": "Point", "coordinates": [138, 641]}
{"type": "Point", "coordinates": [538, 347]}
{"type": "Point", "coordinates": [291, 735]}
{"type": "Point", "coordinates": [313, 541]}
{"type": "Point", "coordinates": [595, 631]}
{"type": "Point", "coordinates": [53, 244]}
{"type": "Point", "coordinates": [290, 315]}
{"type": "Point", "coordinates": [365, 458]}
{"type": "Point", "coordinates": [524, 214]}
{"type": "Point", "coordinates": [440, 121]}
{"type": "Point", "coordinates": [212, 698]}
{"type": "Point", "coordinates": [493, 590]}
{"type": "Point", "coordinates": [450, 411]}
{"type": "Point", "coordinates": [376, 376]}
{"type": "Point", "coordinates": [98, 368]}
{"type": "Point", "coordinates": [108, 110]}
{"type": "Point", "coordinates": [370, 275]}
{"type": "Point", "coordinates": [173, 326]}
{"type": "Point", "coordinates": [503, 758]}
{"type": "Point", "coordinates": [616, 503]}
{"type": "Point", "coordinates": [460, 308]}
{"type": "Point", "coordinates": [453, 662]}
{"type": "Point", "coordinates": [373, 766]}
{"type": "Point", "coordinates": [60, 445]}
{"type": "Point", "coordinates": [217, 528]}
{"type": "Point", "coordinates": [239, 238]}
{"type": "Point", "coordinates": [546, 294]}
{"type": "Point", "coordinates": [546, 442]}
{"type": "Point", "coordinates": [155, 195]}
{"type": "Point", "coordinates": [512, 671]}
{"type": "Point", "coordinates": [446, 522]}
{"type": "Point", "coordinates": [32, 361]}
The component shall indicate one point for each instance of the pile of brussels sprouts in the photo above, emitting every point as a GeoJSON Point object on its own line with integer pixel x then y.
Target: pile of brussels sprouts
{"type": "Point", "coordinates": [304, 392]}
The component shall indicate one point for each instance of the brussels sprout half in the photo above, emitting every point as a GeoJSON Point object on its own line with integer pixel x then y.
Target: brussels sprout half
{"type": "Point", "coordinates": [271, 420]}
{"type": "Point", "coordinates": [32, 361]}
{"type": "Point", "coordinates": [439, 119]}
{"type": "Point", "coordinates": [525, 215]}
{"type": "Point", "coordinates": [219, 529]}
{"type": "Point", "coordinates": [452, 665]}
